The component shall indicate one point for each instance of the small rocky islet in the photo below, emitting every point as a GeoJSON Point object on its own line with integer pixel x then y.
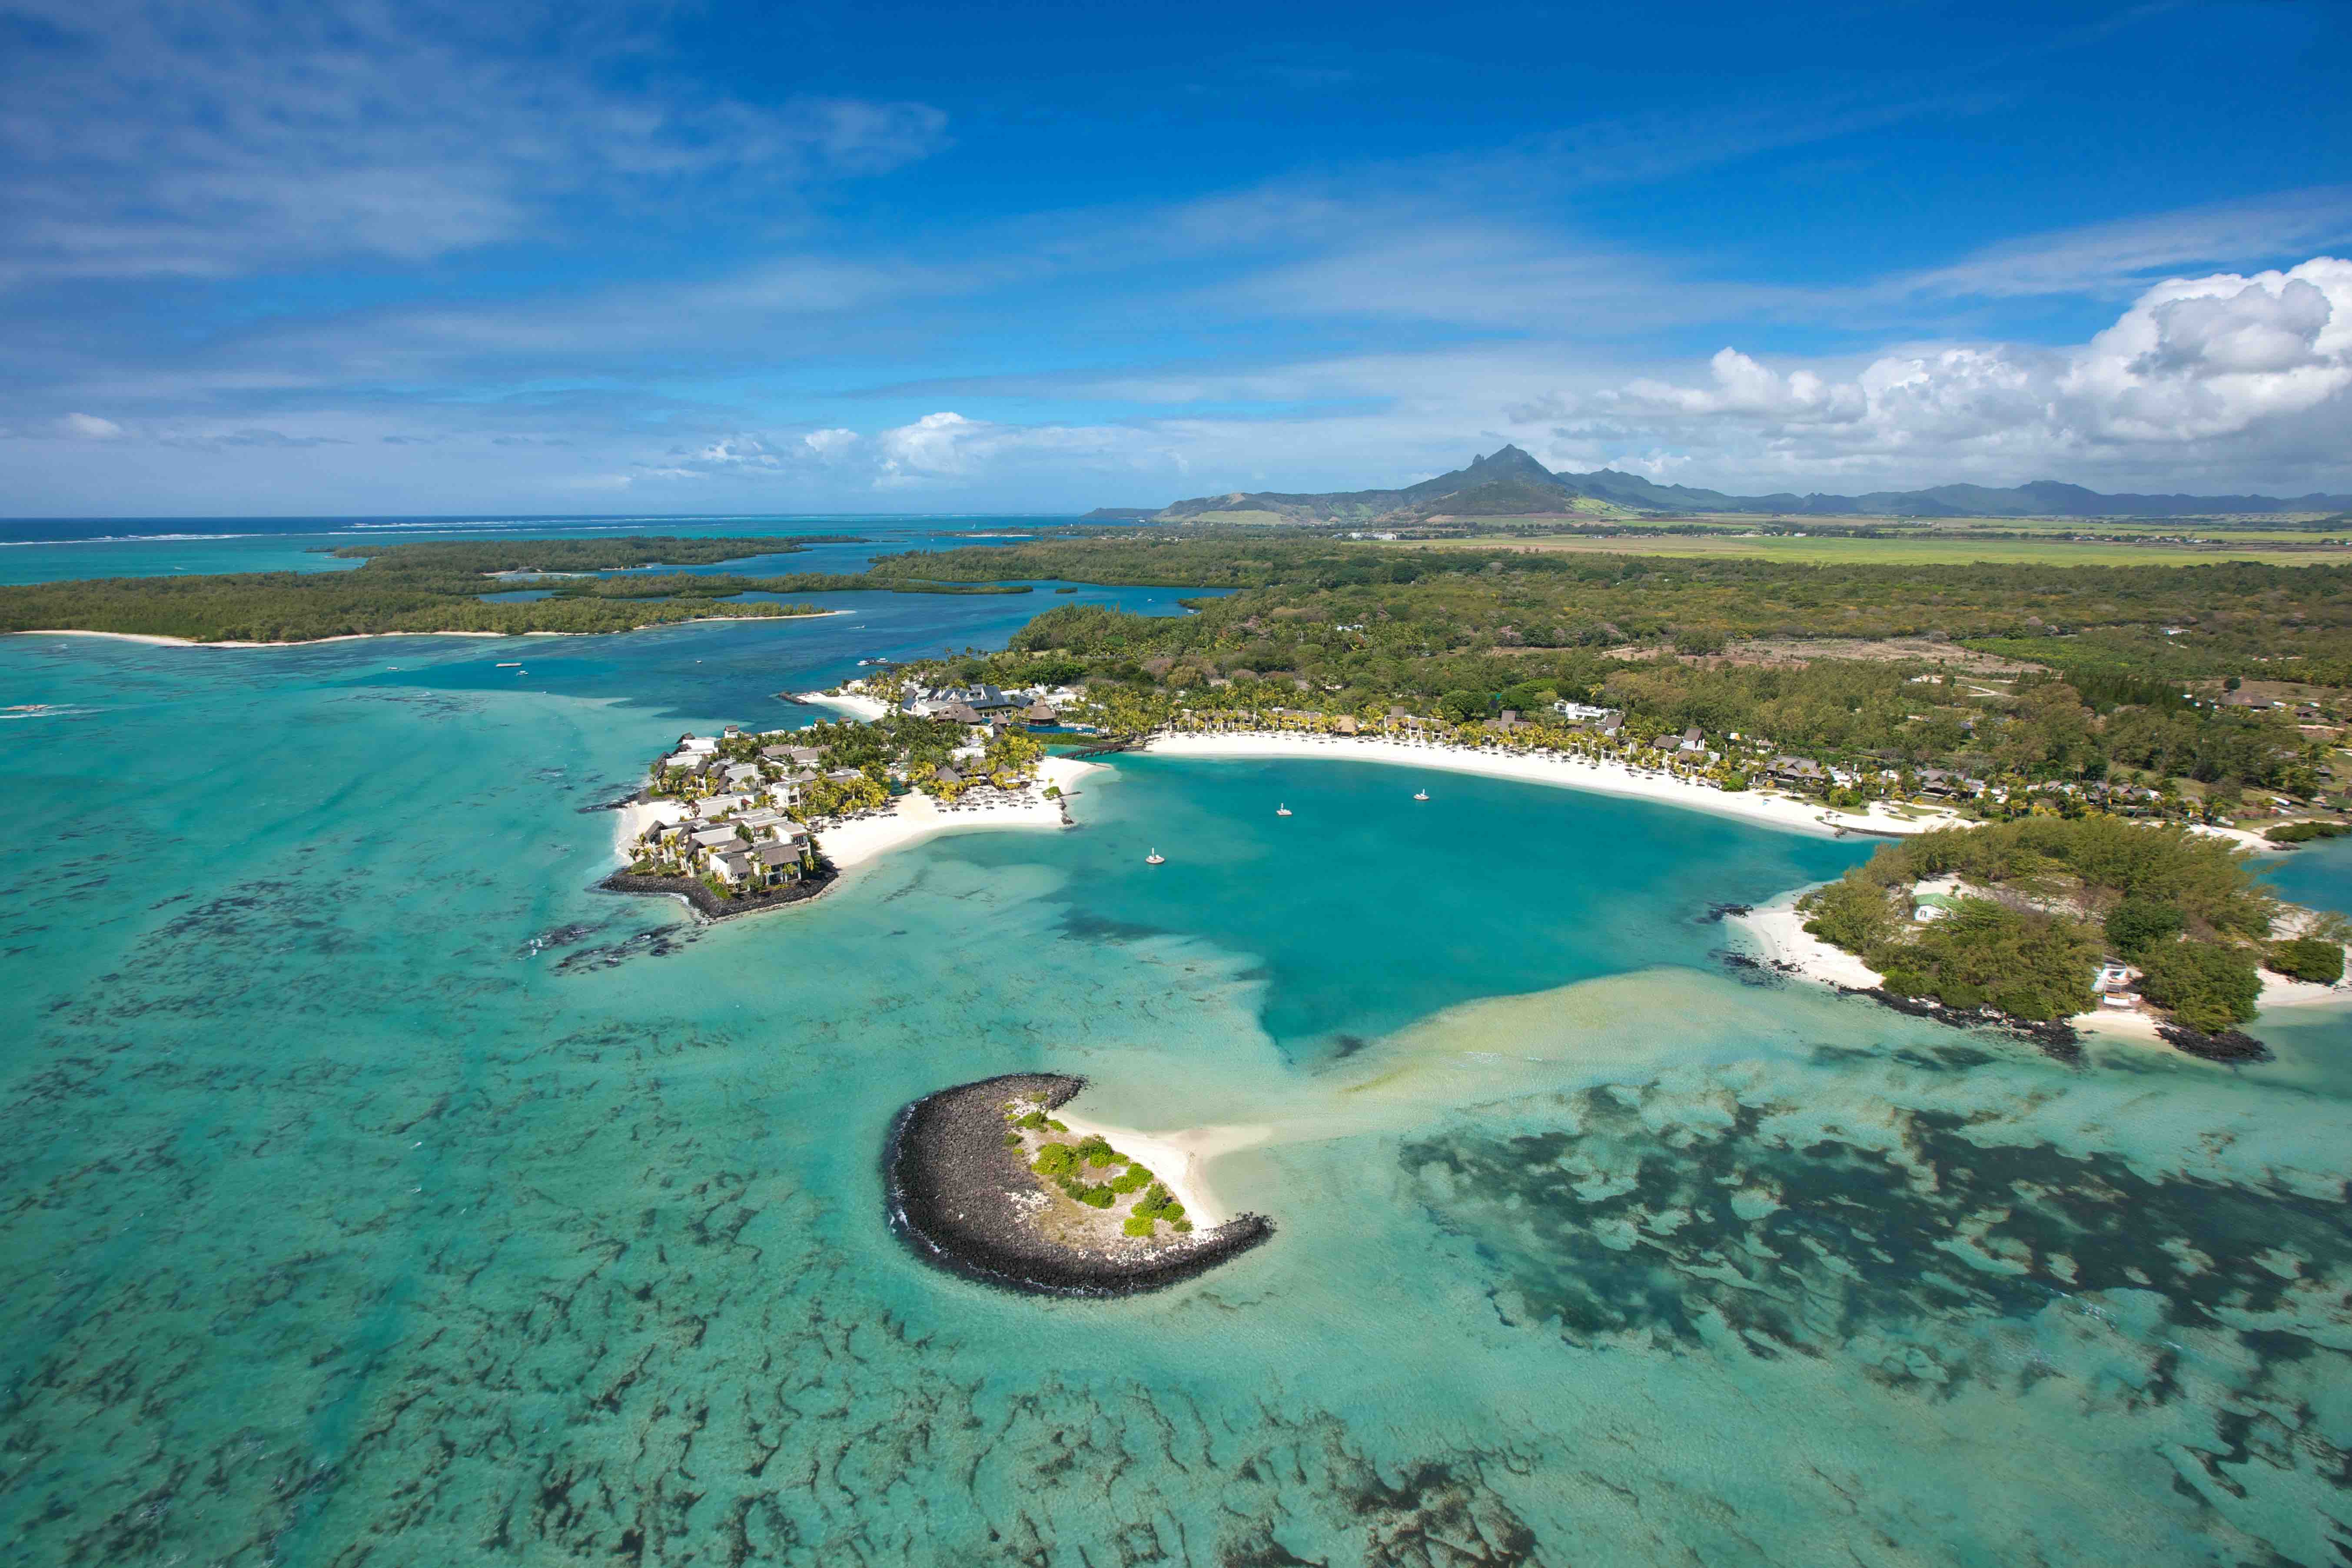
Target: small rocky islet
{"type": "Point", "coordinates": [982, 1182]}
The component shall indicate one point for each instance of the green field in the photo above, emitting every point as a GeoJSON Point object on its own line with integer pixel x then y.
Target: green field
{"type": "Point", "coordinates": [1926, 550]}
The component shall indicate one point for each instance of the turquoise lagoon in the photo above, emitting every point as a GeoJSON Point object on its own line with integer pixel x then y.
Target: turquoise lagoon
{"type": "Point", "coordinates": [377, 1192]}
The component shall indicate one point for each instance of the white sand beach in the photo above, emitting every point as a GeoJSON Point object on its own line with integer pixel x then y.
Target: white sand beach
{"type": "Point", "coordinates": [916, 816]}
{"type": "Point", "coordinates": [1775, 934]}
{"type": "Point", "coordinates": [866, 707]}
{"type": "Point", "coordinates": [1605, 777]}
{"type": "Point", "coordinates": [304, 642]}
{"type": "Point", "coordinates": [1176, 1159]}
{"type": "Point", "coordinates": [631, 821]}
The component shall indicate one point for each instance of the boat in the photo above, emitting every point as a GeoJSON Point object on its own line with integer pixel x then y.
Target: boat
{"type": "Point", "coordinates": [1282, 811]}
{"type": "Point", "coordinates": [1420, 794]}
{"type": "Point", "coordinates": [509, 664]}
{"type": "Point", "coordinates": [1155, 858]}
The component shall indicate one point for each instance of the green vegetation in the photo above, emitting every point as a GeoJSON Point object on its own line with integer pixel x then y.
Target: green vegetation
{"type": "Point", "coordinates": [2027, 963]}
{"type": "Point", "coordinates": [2304, 832]}
{"type": "Point", "coordinates": [438, 587]}
{"type": "Point", "coordinates": [2318, 959]}
{"type": "Point", "coordinates": [2137, 924]}
{"type": "Point", "coordinates": [1067, 1165]}
{"type": "Point", "coordinates": [1871, 668]}
{"type": "Point", "coordinates": [1792, 659]}
{"type": "Point", "coordinates": [1814, 547]}
{"type": "Point", "coordinates": [2204, 984]}
{"type": "Point", "coordinates": [423, 587]}
{"type": "Point", "coordinates": [477, 557]}
{"type": "Point", "coordinates": [2055, 895]}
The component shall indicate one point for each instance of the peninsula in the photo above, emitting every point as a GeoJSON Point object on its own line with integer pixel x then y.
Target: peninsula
{"type": "Point", "coordinates": [985, 1181]}
{"type": "Point", "coordinates": [742, 821]}
{"type": "Point", "coordinates": [2150, 930]}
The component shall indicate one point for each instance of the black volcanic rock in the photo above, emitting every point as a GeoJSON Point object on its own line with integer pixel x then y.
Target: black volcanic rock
{"type": "Point", "coordinates": [955, 1194]}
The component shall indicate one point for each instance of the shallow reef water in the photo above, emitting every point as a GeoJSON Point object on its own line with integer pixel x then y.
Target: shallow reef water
{"type": "Point", "coordinates": [378, 1191]}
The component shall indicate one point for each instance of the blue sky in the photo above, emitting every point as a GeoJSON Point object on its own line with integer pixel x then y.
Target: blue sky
{"type": "Point", "coordinates": [381, 258]}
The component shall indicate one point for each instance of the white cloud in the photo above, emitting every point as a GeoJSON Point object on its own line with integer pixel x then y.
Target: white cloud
{"type": "Point", "coordinates": [934, 446]}
{"type": "Point", "coordinates": [2215, 356]}
{"type": "Point", "coordinates": [89, 427]}
{"type": "Point", "coordinates": [2207, 372]}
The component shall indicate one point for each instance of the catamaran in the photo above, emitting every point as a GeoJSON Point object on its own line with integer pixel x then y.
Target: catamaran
{"type": "Point", "coordinates": [1282, 811]}
{"type": "Point", "coordinates": [1155, 858]}
{"type": "Point", "coordinates": [1420, 794]}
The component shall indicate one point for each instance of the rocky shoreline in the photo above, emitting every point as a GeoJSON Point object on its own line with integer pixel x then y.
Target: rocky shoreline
{"type": "Point", "coordinates": [962, 1201]}
{"type": "Point", "coordinates": [2229, 1046]}
{"type": "Point", "coordinates": [709, 905]}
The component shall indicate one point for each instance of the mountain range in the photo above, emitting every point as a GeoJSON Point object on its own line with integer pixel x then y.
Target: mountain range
{"type": "Point", "coordinates": [1510, 483]}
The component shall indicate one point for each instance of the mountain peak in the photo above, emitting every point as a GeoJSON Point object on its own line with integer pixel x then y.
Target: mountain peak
{"type": "Point", "coordinates": [1506, 459]}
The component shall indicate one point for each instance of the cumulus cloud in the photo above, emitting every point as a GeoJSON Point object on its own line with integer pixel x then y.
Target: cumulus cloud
{"type": "Point", "coordinates": [89, 427]}
{"type": "Point", "coordinates": [935, 445]}
{"type": "Point", "coordinates": [2209, 369]}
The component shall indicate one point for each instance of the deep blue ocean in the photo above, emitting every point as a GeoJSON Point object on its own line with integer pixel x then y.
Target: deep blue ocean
{"type": "Point", "coordinates": [375, 1190]}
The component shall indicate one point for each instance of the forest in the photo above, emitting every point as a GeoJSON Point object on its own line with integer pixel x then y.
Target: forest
{"type": "Point", "coordinates": [1468, 645]}
{"type": "Point", "coordinates": [439, 587]}
{"type": "Point", "coordinates": [2125, 669]}
{"type": "Point", "coordinates": [2047, 897]}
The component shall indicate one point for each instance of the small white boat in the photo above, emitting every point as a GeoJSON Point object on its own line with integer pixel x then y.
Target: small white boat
{"type": "Point", "coordinates": [1282, 811]}
{"type": "Point", "coordinates": [1420, 794]}
{"type": "Point", "coordinates": [1155, 858]}
{"type": "Point", "coordinates": [509, 664]}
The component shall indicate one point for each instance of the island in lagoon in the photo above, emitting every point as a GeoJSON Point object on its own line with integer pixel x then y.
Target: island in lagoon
{"type": "Point", "coordinates": [986, 1181]}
